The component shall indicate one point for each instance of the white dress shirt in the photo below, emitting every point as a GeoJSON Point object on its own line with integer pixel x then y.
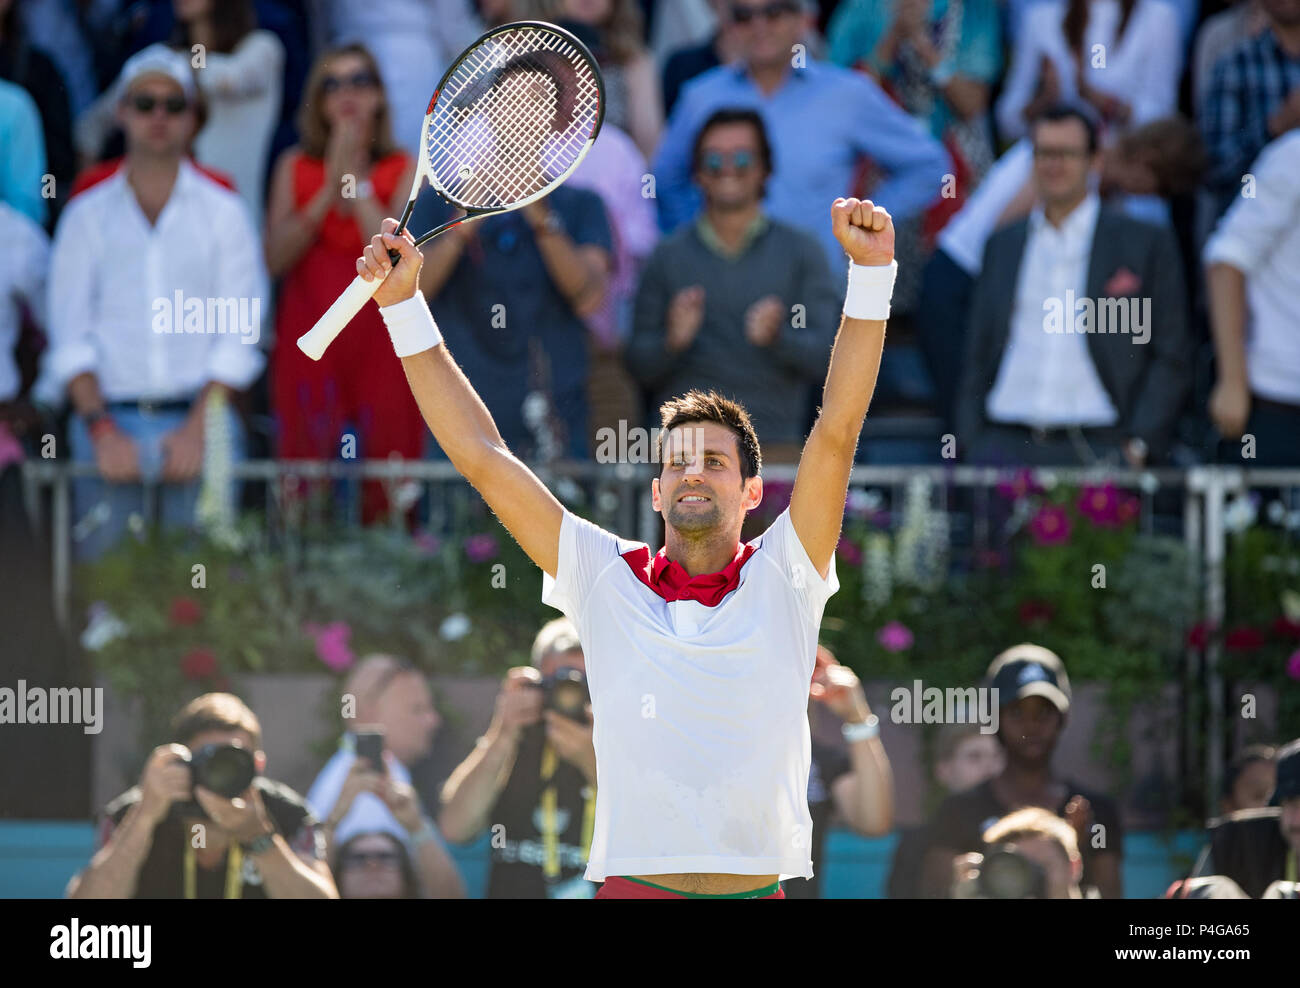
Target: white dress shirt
{"type": "Point", "coordinates": [113, 275]}
{"type": "Point", "coordinates": [1048, 378]}
{"type": "Point", "coordinates": [1261, 238]}
{"type": "Point", "coordinates": [24, 259]}
{"type": "Point", "coordinates": [369, 813]}
{"type": "Point", "coordinates": [1143, 69]}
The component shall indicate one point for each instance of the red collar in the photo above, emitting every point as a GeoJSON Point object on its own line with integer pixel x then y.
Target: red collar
{"type": "Point", "coordinates": [670, 580]}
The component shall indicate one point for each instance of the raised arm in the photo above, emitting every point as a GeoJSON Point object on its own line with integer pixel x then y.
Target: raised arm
{"type": "Point", "coordinates": [452, 409]}
{"type": "Point", "coordinates": [817, 504]}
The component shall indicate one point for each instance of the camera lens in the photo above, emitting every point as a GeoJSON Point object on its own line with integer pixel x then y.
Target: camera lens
{"type": "Point", "coordinates": [225, 769]}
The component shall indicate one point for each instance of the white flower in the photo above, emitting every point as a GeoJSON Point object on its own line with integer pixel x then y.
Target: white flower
{"type": "Point", "coordinates": [455, 627]}
{"type": "Point", "coordinates": [1293, 520]}
{"type": "Point", "coordinates": [1276, 512]}
{"type": "Point", "coordinates": [1240, 514]}
{"type": "Point", "coordinates": [1046, 479]}
{"type": "Point", "coordinates": [1148, 482]}
{"type": "Point", "coordinates": [135, 523]}
{"type": "Point", "coordinates": [407, 493]}
{"type": "Point", "coordinates": [102, 628]}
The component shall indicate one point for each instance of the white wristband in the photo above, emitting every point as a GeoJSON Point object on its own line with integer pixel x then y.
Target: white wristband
{"type": "Point", "coordinates": [410, 325]}
{"type": "Point", "coordinates": [870, 289]}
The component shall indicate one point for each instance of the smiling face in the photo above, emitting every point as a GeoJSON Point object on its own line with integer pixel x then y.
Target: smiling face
{"type": "Point", "coordinates": [700, 488]}
{"type": "Point", "coordinates": [729, 168]}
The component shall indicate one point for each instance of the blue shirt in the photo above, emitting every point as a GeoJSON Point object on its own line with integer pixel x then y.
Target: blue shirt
{"type": "Point", "coordinates": [22, 163]}
{"type": "Point", "coordinates": [820, 121]}
{"type": "Point", "coordinates": [500, 313]}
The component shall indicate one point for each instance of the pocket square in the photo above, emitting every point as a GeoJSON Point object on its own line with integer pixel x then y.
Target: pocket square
{"type": "Point", "coordinates": [1123, 283]}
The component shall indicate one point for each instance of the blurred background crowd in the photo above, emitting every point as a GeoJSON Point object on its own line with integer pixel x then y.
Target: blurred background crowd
{"type": "Point", "coordinates": [1122, 164]}
{"type": "Point", "coordinates": [1131, 156]}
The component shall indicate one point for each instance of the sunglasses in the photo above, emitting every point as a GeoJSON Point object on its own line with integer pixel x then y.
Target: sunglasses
{"type": "Point", "coordinates": [358, 80]}
{"type": "Point", "coordinates": [174, 105]}
{"type": "Point", "coordinates": [713, 162]}
{"type": "Point", "coordinates": [359, 859]}
{"type": "Point", "coordinates": [770, 12]}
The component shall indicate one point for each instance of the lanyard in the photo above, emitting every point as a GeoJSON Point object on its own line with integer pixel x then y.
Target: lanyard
{"type": "Point", "coordinates": [1290, 866]}
{"type": "Point", "coordinates": [550, 836]}
{"type": "Point", "coordinates": [234, 872]}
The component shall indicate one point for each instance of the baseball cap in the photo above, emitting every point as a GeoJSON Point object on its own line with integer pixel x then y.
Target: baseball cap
{"type": "Point", "coordinates": [157, 59]}
{"type": "Point", "coordinates": [1030, 670]}
{"type": "Point", "coordinates": [1288, 773]}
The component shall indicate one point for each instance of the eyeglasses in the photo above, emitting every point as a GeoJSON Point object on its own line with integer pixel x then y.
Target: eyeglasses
{"type": "Point", "coordinates": [358, 80]}
{"type": "Point", "coordinates": [359, 859]}
{"type": "Point", "coordinates": [712, 162]}
{"type": "Point", "coordinates": [1059, 154]}
{"type": "Point", "coordinates": [174, 105]}
{"type": "Point", "coordinates": [769, 12]}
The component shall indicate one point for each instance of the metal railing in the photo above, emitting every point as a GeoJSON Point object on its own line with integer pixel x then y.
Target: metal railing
{"type": "Point", "coordinates": [1205, 494]}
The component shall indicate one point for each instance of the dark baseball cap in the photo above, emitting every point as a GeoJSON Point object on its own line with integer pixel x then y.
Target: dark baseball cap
{"type": "Point", "coordinates": [1288, 773]}
{"type": "Point", "coordinates": [1030, 670]}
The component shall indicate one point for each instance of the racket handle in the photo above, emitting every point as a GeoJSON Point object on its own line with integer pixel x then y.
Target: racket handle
{"type": "Point", "coordinates": [316, 340]}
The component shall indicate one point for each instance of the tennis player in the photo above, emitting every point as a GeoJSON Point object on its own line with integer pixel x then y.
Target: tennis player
{"type": "Point", "coordinates": [698, 657]}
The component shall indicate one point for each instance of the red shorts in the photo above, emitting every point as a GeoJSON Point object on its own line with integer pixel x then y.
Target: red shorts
{"type": "Point", "coordinates": [627, 888]}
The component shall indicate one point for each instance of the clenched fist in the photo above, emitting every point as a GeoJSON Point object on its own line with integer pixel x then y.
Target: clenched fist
{"type": "Point", "coordinates": [864, 230]}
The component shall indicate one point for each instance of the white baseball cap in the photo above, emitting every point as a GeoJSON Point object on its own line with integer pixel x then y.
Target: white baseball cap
{"type": "Point", "coordinates": [157, 59]}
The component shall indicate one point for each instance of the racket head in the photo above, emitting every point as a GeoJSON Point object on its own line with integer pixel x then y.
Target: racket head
{"type": "Point", "coordinates": [512, 118]}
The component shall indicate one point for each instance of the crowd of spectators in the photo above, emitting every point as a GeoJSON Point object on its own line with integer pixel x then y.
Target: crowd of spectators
{"type": "Point", "coordinates": [1096, 231]}
{"type": "Point", "coordinates": [1009, 825]}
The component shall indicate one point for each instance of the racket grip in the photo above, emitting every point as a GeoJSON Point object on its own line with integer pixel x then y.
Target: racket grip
{"type": "Point", "coordinates": [316, 340]}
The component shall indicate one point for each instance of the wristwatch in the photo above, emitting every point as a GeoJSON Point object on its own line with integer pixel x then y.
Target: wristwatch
{"type": "Point", "coordinates": [865, 731]}
{"type": "Point", "coordinates": [552, 223]}
{"type": "Point", "coordinates": [259, 844]}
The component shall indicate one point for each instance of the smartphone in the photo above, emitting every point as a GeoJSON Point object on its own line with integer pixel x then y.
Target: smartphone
{"type": "Point", "coordinates": [370, 746]}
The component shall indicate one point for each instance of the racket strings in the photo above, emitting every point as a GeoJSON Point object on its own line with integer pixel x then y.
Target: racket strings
{"type": "Point", "coordinates": [514, 117]}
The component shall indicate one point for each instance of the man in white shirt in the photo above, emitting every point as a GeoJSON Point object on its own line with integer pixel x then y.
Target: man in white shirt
{"type": "Point", "coordinates": [698, 657]}
{"type": "Point", "coordinates": [1253, 277]}
{"type": "Point", "coordinates": [156, 295]}
{"type": "Point", "coordinates": [1078, 349]}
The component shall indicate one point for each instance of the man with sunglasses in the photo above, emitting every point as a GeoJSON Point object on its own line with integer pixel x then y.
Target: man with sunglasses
{"type": "Point", "coordinates": [145, 268]}
{"type": "Point", "coordinates": [736, 301]}
{"type": "Point", "coordinates": [822, 119]}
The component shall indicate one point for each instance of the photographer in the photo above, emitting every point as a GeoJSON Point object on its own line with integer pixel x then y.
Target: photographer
{"type": "Point", "coordinates": [1028, 854]}
{"type": "Point", "coordinates": [173, 837]}
{"type": "Point", "coordinates": [532, 777]}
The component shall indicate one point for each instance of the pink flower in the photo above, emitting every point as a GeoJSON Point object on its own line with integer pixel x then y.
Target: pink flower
{"type": "Point", "coordinates": [332, 644]}
{"type": "Point", "coordinates": [1130, 507]}
{"type": "Point", "coordinates": [1036, 612]}
{"type": "Point", "coordinates": [481, 548]}
{"type": "Point", "coordinates": [1021, 484]}
{"type": "Point", "coordinates": [428, 543]}
{"type": "Point", "coordinates": [1284, 627]}
{"type": "Point", "coordinates": [1243, 639]}
{"type": "Point", "coordinates": [1199, 636]}
{"type": "Point", "coordinates": [895, 637]}
{"type": "Point", "coordinates": [1051, 526]}
{"type": "Point", "coordinates": [1293, 665]}
{"type": "Point", "coordinates": [185, 611]}
{"type": "Point", "coordinates": [198, 663]}
{"type": "Point", "coordinates": [849, 552]}
{"type": "Point", "coordinates": [1100, 505]}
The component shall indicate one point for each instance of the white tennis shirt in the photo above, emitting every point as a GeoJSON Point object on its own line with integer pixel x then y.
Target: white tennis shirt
{"type": "Point", "coordinates": [701, 711]}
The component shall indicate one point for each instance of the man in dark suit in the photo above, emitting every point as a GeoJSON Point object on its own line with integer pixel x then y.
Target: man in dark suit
{"type": "Point", "coordinates": [1078, 350]}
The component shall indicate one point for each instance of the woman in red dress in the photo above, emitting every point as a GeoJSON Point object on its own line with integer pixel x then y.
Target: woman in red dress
{"type": "Point", "coordinates": [328, 195]}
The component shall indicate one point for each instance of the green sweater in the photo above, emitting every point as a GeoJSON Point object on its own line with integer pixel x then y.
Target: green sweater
{"type": "Point", "coordinates": [775, 382]}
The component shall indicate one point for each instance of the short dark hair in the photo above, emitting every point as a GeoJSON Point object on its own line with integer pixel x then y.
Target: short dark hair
{"type": "Point", "coordinates": [1173, 149]}
{"type": "Point", "coordinates": [734, 115]}
{"type": "Point", "coordinates": [410, 882]}
{"type": "Point", "coordinates": [1070, 111]}
{"type": "Point", "coordinates": [709, 406]}
{"type": "Point", "coordinates": [1247, 757]}
{"type": "Point", "coordinates": [215, 712]}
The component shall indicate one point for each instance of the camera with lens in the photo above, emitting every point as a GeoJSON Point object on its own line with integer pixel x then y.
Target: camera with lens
{"type": "Point", "coordinates": [225, 769]}
{"type": "Point", "coordinates": [1003, 873]}
{"type": "Point", "coordinates": [566, 693]}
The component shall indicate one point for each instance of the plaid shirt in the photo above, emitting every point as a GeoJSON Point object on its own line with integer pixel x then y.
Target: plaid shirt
{"type": "Point", "coordinates": [1247, 86]}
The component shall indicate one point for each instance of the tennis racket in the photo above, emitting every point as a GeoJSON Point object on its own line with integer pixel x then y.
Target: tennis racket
{"type": "Point", "coordinates": [512, 118]}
